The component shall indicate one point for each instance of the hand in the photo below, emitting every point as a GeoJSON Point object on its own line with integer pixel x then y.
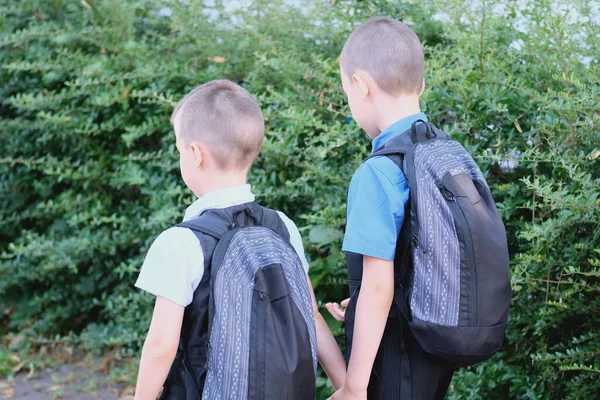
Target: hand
{"type": "Point", "coordinates": [335, 310]}
{"type": "Point", "coordinates": [346, 394]}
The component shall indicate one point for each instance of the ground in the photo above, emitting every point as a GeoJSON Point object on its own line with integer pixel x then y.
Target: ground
{"type": "Point", "coordinates": [69, 381]}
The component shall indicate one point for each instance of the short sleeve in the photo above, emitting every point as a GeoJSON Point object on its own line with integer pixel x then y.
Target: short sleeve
{"type": "Point", "coordinates": [295, 239]}
{"type": "Point", "coordinates": [173, 267]}
{"type": "Point", "coordinates": [377, 197]}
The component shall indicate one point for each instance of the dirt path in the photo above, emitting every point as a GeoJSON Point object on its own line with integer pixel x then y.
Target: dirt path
{"type": "Point", "coordinates": [67, 382]}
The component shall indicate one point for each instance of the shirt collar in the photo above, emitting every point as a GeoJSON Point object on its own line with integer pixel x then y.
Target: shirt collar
{"type": "Point", "coordinates": [223, 198]}
{"type": "Point", "coordinates": [395, 130]}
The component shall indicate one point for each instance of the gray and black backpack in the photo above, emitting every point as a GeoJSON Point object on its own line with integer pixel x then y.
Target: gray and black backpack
{"type": "Point", "coordinates": [249, 333]}
{"type": "Point", "coordinates": [452, 262]}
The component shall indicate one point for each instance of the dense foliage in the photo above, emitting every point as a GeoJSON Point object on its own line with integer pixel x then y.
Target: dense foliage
{"type": "Point", "coordinates": [89, 173]}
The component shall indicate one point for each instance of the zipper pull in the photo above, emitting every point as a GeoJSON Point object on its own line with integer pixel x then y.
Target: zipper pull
{"type": "Point", "coordinates": [415, 243]}
{"type": "Point", "coordinates": [206, 365]}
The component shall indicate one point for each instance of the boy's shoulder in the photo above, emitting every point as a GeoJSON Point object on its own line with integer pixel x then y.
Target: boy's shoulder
{"type": "Point", "coordinates": [377, 198]}
{"type": "Point", "coordinates": [174, 238]}
{"type": "Point", "coordinates": [378, 168]}
{"type": "Point", "coordinates": [295, 238]}
{"type": "Point", "coordinates": [173, 264]}
{"type": "Point", "coordinates": [289, 224]}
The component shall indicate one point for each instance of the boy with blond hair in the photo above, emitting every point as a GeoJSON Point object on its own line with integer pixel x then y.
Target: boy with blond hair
{"type": "Point", "coordinates": [235, 315]}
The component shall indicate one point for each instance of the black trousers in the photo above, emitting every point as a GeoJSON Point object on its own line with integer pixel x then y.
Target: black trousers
{"type": "Point", "coordinates": [402, 369]}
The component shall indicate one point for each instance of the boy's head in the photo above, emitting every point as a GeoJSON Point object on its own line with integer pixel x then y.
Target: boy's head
{"type": "Point", "coordinates": [219, 129]}
{"type": "Point", "coordinates": [382, 60]}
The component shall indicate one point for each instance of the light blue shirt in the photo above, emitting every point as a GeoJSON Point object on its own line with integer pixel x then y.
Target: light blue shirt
{"type": "Point", "coordinates": [377, 198]}
{"type": "Point", "coordinates": [174, 264]}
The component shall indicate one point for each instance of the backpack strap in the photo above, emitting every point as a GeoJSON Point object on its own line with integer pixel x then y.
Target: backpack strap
{"type": "Point", "coordinates": [211, 224]}
{"type": "Point", "coordinates": [401, 303]}
{"type": "Point", "coordinates": [273, 221]}
{"type": "Point", "coordinates": [420, 131]}
{"type": "Point", "coordinates": [395, 149]}
{"type": "Point", "coordinates": [214, 225]}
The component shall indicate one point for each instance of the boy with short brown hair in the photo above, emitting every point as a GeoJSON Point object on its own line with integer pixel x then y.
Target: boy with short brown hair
{"type": "Point", "coordinates": [219, 129]}
{"type": "Point", "coordinates": [382, 72]}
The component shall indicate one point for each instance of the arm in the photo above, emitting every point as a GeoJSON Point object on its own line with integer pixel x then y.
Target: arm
{"type": "Point", "coordinates": [330, 356]}
{"type": "Point", "coordinates": [329, 353]}
{"type": "Point", "coordinates": [159, 349]}
{"type": "Point", "coordinates": [372, 310]}
{"type": "Point", "coordinates": [377, 197]}
{"type": "Point", "coordinates": [171, 271]}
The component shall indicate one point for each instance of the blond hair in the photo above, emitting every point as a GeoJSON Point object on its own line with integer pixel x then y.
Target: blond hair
{"type": "Point", "coordinates": [225, 118]}
{"type": "Point", "coordinates": [389, 51]}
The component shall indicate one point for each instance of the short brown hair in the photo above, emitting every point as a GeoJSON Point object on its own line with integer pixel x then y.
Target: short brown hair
{"type": "Point", "coordinates": [388, 50]}
{"type": "Point", "coordinates": [226, 119]}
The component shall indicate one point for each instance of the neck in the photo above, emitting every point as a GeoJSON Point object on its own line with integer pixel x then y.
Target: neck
{"type": "Point", "coordinates": [221, 181]}
{"type": "Point", "coordinates": [393, 109]}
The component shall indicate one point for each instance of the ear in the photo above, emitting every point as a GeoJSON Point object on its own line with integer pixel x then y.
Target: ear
{"type": "Point", "coordinates": [363, 84]}
{"type": "Point", "coordinates": [197, 153]}
{"type": "Point", "coordinates": [422, 88]}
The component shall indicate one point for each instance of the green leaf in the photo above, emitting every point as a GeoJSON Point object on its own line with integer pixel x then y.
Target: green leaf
{"type": "Point", "coordinates": [322, 235]}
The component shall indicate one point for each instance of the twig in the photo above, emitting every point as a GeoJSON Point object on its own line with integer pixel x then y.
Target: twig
{"type": "Point", "coordinates": [481, 38]}
{"type": "Point", "coordinates": [564, 283]}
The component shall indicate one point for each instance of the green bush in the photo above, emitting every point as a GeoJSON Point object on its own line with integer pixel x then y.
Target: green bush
{"type": "Point", "coordinates": [89, 172]}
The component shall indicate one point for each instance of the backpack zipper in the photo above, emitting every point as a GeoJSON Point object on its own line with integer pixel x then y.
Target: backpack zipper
{"type": "Point", "coordinates": [409, 172]}
{"type": "Point", "coordinates": [208, 348]}
{"type": "Point", "coordinates": [459, 217]}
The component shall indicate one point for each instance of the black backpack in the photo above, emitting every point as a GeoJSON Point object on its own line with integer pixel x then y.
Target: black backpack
{"type": "Point", "coordinates": [249, 332]}
{"type": "Point", "coordinates": [452, 263]}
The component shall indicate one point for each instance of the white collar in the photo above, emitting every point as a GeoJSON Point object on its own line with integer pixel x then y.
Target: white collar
{"type": "Point", "coordinates": [223, 198]}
